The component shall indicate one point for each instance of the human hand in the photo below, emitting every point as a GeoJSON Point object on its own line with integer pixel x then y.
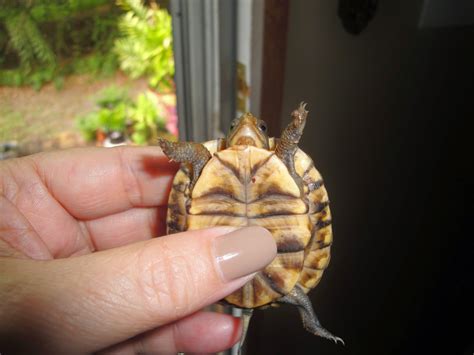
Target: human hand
{"type": "Point", "coordinates": [79, 271]}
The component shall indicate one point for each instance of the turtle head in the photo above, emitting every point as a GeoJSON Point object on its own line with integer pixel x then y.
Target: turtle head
{"type": "Point", "coordinates": [248, 130]}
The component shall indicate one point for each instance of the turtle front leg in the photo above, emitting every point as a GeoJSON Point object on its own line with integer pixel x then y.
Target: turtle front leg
{"type": "Point", "coordinates": [194, 154]}
{"type": "Point", "coordinates": [298, 298]}
{"type": "Point", "coordinates": [288, 143]}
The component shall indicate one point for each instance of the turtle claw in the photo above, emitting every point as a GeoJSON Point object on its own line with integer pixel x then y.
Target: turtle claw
{"type": "Point", "coordinates": [165, 146]}
{"type": "Point", "coordinates": [302, 107]}
{"type": "Point", "coordinates": [299, 115]}
{"type": "Point", "coordinates": [326, 334]}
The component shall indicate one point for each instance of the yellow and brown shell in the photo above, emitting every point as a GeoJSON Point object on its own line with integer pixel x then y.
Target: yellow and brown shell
{"type": "Point", "coordinates": [249, 186]}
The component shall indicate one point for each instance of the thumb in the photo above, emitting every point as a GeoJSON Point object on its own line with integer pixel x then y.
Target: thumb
{"type": "Point", "coordinates": [89, 302]}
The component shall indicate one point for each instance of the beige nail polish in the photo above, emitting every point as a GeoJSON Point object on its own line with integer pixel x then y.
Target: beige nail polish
{"type": "Point", "coordinates": [244, 251]}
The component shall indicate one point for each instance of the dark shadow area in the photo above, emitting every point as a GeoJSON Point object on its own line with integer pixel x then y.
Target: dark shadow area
{"type": "Point", "coordinates": [388, 129]}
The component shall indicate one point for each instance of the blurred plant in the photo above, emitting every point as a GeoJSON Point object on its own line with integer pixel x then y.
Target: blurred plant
{"type": "Point", "coordinates": [106, 120]}
{"type": "Point", "coordinates": [88, 125]}
{"type": "Point", "coordinates": [111, 96]}
{"type": "Point", "coordinates": [146, 118]}
{"type": "Point", "coordinates": [117, 113]}
{"type": "Point", "coordinates": [113, 119]}
{"type": "Point", "coordinates": [145, 47]}
{"type": "Point", "coordinates": [113, 103]}
{"type": "Point", "coordinates": [43, 40]}
{"type": "Point", "coordinates": [27, 41]}
{"type": "Point", "coordinates": [95, 64]}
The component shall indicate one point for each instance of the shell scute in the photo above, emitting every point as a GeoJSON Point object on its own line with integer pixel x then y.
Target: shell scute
{"type": "Point", "coordinates": [290, 230]}
{"type": "Point", "coordinates": [271, 180]}
{"type": "Point", "coordinates": [215, 179]}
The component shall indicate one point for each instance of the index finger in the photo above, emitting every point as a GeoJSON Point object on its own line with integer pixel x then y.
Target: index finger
{"type": "Point", "coordinates": [96, 182]}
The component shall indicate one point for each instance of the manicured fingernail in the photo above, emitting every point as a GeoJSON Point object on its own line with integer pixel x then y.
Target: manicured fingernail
{"type": "Point", "coordinates": [244, 252]}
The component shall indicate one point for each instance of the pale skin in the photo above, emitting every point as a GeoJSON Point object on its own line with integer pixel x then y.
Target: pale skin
{"type": "Point", "coordinates": [79, 270]}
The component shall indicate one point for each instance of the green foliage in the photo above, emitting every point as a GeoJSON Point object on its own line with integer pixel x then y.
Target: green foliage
{"type": "Point", "coordinates": [145, 48]}
{"type": "Point", "coordinates": [96, 64]}
{"type": "Point", "coordinates": [88, 125]}
{"type": "Point", "coordinates": [28, 42]}
{"type": "Point", "coordinates": [106, 119]}
{"type": "Point", "coordinates": [38, 78]}
{"type": "Point", "coordinates": [11, 78]}
{"type": "Point", "coordinates": [113, 119]}
{"type": "Point", "coordinates": [43, 41]}
{"type": "Point", "coordinates": [47, 10]}
{"type": "Point", "coordinates": [111, 96]}
{"type": "Point", "coordinates": [146, 118]}
{"type": "Point", "coordinates": [113, 103]}
{"type": "Point", "coordinates": [116, 110]}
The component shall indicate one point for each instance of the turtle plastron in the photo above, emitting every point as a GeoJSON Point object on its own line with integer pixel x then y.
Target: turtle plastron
{"type": "Point", "coordinates": [250, 179]}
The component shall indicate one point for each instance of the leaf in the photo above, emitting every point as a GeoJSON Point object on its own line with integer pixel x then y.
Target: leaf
{"type": "Point", "coordinates": [28, 41]}
{"type": "Point", "coordinates": [145, 46]}
{"type": "Point", "coordinates": [88, 125]}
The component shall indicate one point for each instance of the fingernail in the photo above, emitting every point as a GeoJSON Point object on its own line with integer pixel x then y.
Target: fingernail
{"type": "Point", "coordinates": [244, 252]}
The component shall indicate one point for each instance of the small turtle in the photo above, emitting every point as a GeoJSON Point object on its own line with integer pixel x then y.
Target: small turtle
{"type": "Point", "coordinates": [249, 179]}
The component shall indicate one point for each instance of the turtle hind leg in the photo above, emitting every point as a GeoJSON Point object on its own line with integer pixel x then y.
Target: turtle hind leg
{"type": "Point", "coordinates": [289, 161]}
{"type": "Point", "coordinates": [298, 298]}
{"type": "Point", "coordinates": [245, 319]}
{"type": "Point", "coordinates": [194, 154]}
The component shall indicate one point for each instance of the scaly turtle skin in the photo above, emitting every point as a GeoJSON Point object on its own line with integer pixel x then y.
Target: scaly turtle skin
{"type": "Point", "coordinates": [249, 179]}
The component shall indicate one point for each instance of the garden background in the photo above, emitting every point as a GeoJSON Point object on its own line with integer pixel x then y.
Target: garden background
{"type": "Point", "coordinates": [81, 72]}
